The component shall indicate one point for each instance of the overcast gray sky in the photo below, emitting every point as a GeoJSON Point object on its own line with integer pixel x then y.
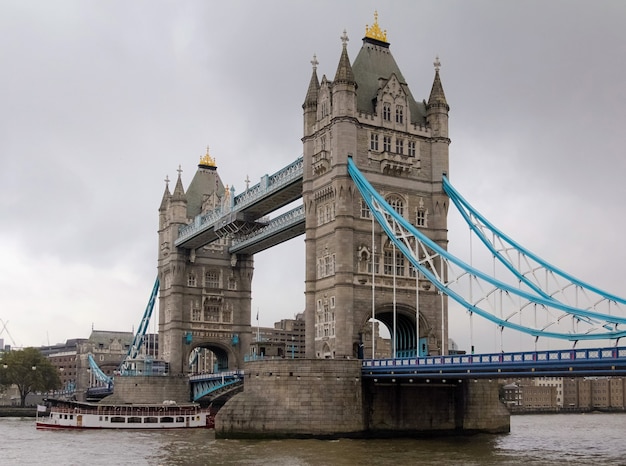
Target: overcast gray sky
{"type": "Point", "coordinates": [101, 100]}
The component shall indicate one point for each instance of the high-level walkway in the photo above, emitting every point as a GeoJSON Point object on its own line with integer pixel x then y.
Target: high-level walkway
{"type": "Point", "coordinates": [245, 219]}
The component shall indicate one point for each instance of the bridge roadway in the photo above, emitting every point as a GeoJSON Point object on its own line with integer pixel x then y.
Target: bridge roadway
{"type": "Point", "coordinates": [550, 363]}
{"type": "Point", "coordinates": [244, 219]}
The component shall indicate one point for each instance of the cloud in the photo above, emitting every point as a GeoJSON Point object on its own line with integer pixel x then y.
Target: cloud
{"type": "Point", "coordinates": [102, 100]}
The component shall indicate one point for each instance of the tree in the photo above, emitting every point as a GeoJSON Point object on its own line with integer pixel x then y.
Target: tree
{"type": "Point", "coordinates": [30, 371]}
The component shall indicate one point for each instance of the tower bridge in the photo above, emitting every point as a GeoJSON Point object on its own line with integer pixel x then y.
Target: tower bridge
{"type": "Point", "coordinates": [373, 180]}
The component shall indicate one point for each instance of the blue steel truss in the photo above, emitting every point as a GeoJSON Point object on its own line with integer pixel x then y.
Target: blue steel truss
{"type": "Point", "coordinates": [267, 187]}
{"type": "Point", "coordinates": [139, 336]}
{"type": "Point", "coordinates": [289, 220]}
{"type": "Point", "coordinates": [210, 384]}
{"type": "Point", "coordinates": [100, 376]}
{"type": "Point", "coordinates": [522, 308]}
{"type": "Point", "coordinates": [540, 276]}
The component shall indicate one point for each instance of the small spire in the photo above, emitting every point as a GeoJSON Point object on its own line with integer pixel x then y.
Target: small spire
{"type": "Point", "coordinates": [179, 192]}
{"type": "Point", "coordinates": [310, 101]}
{"type": "Point", "coordinates": [247, 181]}
{"type": "Point", "coordinates": [437, 96]}
{"type": "Point", "coordinates": [344, 38]}
{"type": "Point", "coordinates": [314, 62]}
{"type": "Point", "coordinates": [166, 195]}
{"type": "Point", "coordinates": [344, 72]}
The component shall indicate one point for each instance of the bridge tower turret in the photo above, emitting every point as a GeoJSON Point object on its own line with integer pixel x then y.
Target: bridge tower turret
{"type": "Point", "coordinates": [205, 293]}
{"type": "Point", "coordinates": [368, 113]}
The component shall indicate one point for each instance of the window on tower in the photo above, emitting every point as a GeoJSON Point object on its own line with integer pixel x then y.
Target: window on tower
{"type": "Point", "coordinates": [411, 148]}
{"type": "Point", "coordinates": [397, 204]}
{"type": "Point", "coordinates": [399, 114]}
{"type": "Point", "coordinates": [386, 112]}
{"type": "Point", "coordinates": [373, 141]}
{"type": "Point", "coordinates": [400, 146]}
{"type": "Point", "coordinates": [389, 262]}
{"type": "Point", "coordinates": [420, 217]}
{"type": "Point", "coordinates": [211, 312]}
{"type": "Point", "coordinates": [365, 210]}
{"type": "Point", "coordinates": [386, 143]}
{"type": "Point", "coordinates": [211, 279]}
{"type": "Point", "coordinates": [374, 261]}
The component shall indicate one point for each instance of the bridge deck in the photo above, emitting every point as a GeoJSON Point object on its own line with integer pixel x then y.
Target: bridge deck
{"type": "Point", "coordinates": [554, 363]}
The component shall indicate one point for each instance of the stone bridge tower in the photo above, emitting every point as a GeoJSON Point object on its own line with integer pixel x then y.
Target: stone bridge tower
{"type": "Point", "coordinates": [367, 112]}
{"type": "Point", "coordinates": [205, 293]}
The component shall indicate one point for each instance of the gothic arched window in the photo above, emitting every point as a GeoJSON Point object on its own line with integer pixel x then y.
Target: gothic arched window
{"type": "Point", "coordinates": [396, 203]}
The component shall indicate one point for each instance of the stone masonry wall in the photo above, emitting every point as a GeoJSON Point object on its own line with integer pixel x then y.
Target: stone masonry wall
{"type": "Point", "coordinates": [420, 408]}
{"type": "Point", "coordinates": [295, 398]}
{"type": "Point", "coordinates": [149, 390]}
{"type": "Point", "coordinates": [483, 411]}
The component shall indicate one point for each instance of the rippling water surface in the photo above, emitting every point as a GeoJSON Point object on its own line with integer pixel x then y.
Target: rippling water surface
{"type": "Point", "coordinates": [572, 439]}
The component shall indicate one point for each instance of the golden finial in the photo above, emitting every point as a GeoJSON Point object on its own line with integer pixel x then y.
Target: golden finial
{"type": "Point", "coordinates": [206, 160]}
{"type": "Point", "coordinates": [374, 32]}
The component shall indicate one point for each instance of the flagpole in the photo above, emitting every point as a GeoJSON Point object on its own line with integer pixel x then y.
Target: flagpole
{"type": "Point", "coordinates": [258, 332]}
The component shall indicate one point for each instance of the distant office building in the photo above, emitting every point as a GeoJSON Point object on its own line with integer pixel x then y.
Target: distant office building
{"type": "Point", "coordinates": [578, 393]}
{"type": "Point", "coordinates": [284, 340]}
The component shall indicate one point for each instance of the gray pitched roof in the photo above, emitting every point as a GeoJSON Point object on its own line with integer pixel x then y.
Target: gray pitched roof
{"type": "Point", "coordinates": [375, 62]}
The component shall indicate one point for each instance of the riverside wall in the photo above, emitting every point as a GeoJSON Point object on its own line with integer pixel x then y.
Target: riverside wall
{"type": "Point", "coordinates": [324, 398]}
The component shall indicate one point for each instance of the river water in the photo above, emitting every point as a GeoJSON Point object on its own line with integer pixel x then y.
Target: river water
{"type": "Point", "coordinates": [572, 439]}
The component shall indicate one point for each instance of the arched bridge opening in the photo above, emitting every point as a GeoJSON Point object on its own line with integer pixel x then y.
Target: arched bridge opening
{"type": "Point", "coordinates": [402, 325]}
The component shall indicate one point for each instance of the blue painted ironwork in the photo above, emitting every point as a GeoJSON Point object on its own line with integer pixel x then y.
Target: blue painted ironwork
{"type": "Point", "coordinates": [549, 363]}
{"type": "Point", "coordinates": [536, 271]}
{"type": "Point", "coordinates": [268, 186]}
{"type": "Point", "coordinates": [104, 383]}
{"type": "Point", "coordinates": [207, 384]}
{"type": "Point", "coordinates": [135, 346]}
{"type": "Point", "coordinates": [281, 223]}
{"type": "Point", "coordinates": [97, 372]}
{"type": "Point", "coordinates": [423, 253]}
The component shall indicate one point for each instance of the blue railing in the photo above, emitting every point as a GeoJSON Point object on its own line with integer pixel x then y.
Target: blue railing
{"type": "Point", "coordinates": [206, 384]}
{"type": "Point", "coordinates": [271, 183]}
{"type": "Point", "coordinates": [268, 185]}
{"type": "Point", "coordinates": [597, 361]}
{"type": "Point", "coordinates": [282, 222]}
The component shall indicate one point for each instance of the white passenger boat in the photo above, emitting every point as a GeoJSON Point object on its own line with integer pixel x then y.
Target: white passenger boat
{"type": "Point", "coordinates": [75, 415]}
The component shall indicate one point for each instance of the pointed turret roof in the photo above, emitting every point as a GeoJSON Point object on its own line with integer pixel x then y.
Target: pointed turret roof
{"type": "Point", "coordinates": [314, 86]}
{"type": "Point", "coordinates": [344, 72]}
{"type": "Point", "coordinates": [205, 183]}
{"type": "Point", "coordinates": [179, 192]}
{"type": "Point", "coordinates": [375, 63]}
{"type": "Point", "coordinates": [166, 195]}
{"type": "Point", "coordinates": [437, 96]}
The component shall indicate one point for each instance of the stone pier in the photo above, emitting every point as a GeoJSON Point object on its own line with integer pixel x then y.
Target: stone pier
{"type": "Point", "coordinates": [328, 399]}
{"type": "Point", "coordinates": [295, 398]}
{"type": "Point", "coordinates": [149, 390]}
